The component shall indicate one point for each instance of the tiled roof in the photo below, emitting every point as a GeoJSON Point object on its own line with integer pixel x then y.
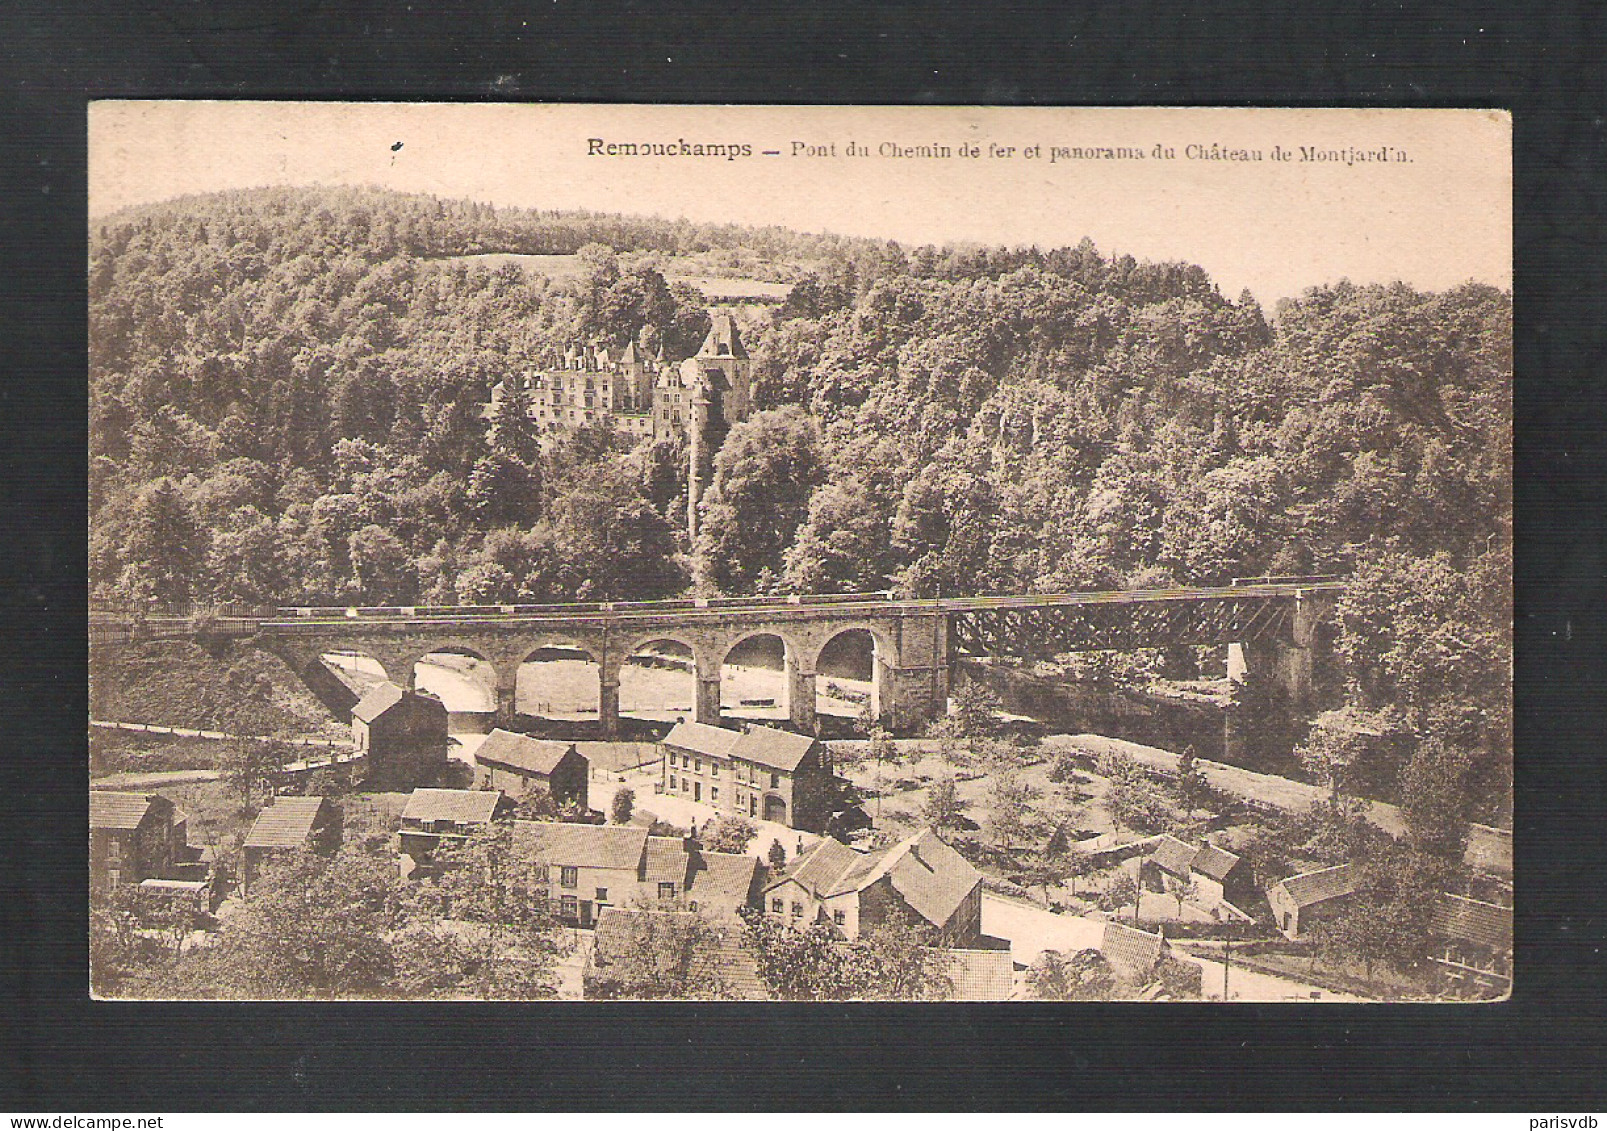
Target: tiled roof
{"type": "Point", "coordinates": [521, 752]}
{"type": "Point", "coordinates": [666, 861]}
{"type": "Point", "coordinates": [1131, 953]}
{"type": "Point", "coordinates": [701, 738]}
{"type": "Point", "coordinates": [287, 823]}
{"type": "Point", "coordinates": [585, 846]}
{"type": "Point", "coordinates": [1472, 920]}
{"type": "Point", "coordinates": [722, 876]}
{"type": "Point", "coordinates": [465, 806]}
{"type": "Point", "coordinates": [933, 878]}
{"type": "Point", "coordinates": [1173, 855]}
{"type": "Point", "coordinates": [823, 866]}
{"type": "Point", "coordinates": [377, 700]}
{"type": "Point", "coordinates": [778, 749]}
{"type": "Point", "coordinates": [109, 810]}
{"type": "Point", "coordinates": [722, 960]}
{"type": "Point", "coordinates": [1327, 883]}
{"type": "Point", "coordinates": [978, 975]}
{"type": "Point", "coordinates": [1214, 862]}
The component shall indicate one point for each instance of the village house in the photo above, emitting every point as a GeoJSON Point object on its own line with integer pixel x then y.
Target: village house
{"type": "Point", "coordinates": [591, 868]}
{"type": "Point", "coordinates": [920, 878]}
{"type": "Point", "coordinates": [514, 763]}
{"type": "Point", "coordinates": [132, 837]}
{"type": "Point", "coordinates": [1473, 945]}
{"type": "Point", "coordinates": [759, 772]}
{"type": "Point", "coordinates": [287, 824]}
{"type": "Point", "coordinates": [1141, 959]}
{"type": "Point", "coordinates": [1221, 881]}
{"type": "Point", "coordinates": [402, 734]}
{"type": "Point", "coordinates": [1299, 901]}
{"type": "Point", "coordinates": [433, 816]}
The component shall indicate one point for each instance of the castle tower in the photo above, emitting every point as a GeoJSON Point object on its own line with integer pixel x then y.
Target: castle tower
{"type": "Point", "coordinates": [717, 383]}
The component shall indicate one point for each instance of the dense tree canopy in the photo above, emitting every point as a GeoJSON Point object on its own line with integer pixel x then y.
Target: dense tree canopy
{"type": "Point", "coordinates": [285, 398]}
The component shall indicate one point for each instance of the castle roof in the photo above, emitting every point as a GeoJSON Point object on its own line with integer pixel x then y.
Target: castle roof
{"type": "Point", "coordinates": [723, 340]}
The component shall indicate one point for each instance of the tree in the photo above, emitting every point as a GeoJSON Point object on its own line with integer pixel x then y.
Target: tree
{"type": "Point", "coordinates": [1434, 797]}
{"type": "Point", "coordinates": [798, 964]}
{"type": "Point", "coordinates": [945, 808]}
{"type": "Point", "coordinates": [1191, 787]}
{"type": "Point", "coordinates": [1120, 892]}
{"type": "Point", "coordinates": [624, 804]}
{"type": "Point", "coordinates": [1132, 799]}
{"type": "Point", "coordinates": [896, 960]}
{"type": "Point", "coordinates": [655, 955]}
{"type": "Point", "coordinates": [1388, 918]}
{"type": "Point", "coordinates": [165, 548]}
{"type": "Point", "coordinates": [1009, 803]}
{"type": "Point", "coordinates": [314, 927]}
{"type": "Point", "coordinates": [478, 924]}
{"type": "Point", "coordinates": [247, 766]}
{"type": "Point", "coordinates": [729, 833]}
{"type": "Point", "coordinates": [1189, 889]}
{"type": "Point", "coordinates": [1083, 976]}
{"type": "Point", "coordinates": [763, 477]}
{"type": "Point", "coordinates": [777, 856]}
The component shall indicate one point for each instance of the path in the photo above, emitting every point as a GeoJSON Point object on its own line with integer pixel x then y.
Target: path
{"type": "Point", "coordinates": [189, 732]}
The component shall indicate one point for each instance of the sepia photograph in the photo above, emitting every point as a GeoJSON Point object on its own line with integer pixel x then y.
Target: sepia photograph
{"type": "Point", "coordinates": [651, 552]}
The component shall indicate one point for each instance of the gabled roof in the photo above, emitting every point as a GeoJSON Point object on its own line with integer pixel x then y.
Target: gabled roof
{"type": "Point", "coordinates": [630, 356]}
{"type": "Point", "coordinates": [465, 806]}
{"type": "Point", "coordinates": [1327, 883]}
{"type": "Point", "coordinates": [777, 749]}
{"type": "Point", "coordinates": [1132, 953]}
{"type": "Point", "coordinates": [1214, 862]}
{"type": "Point", "coordinates": [521, 752]}
{"type": "Point", "coordinates": [822, 867]}
{"type": "Point", "coordinates": [111, 810]}
{"type": "Point", "coordinates": [666, 861]}
{"type": "Point", "coordinates": [930, 876]}
{"type": "Point", "coordinates": [582, 846]}
{"type": "Point", "coordinates": [724, 876]}
{"type": "Point", "coordinates": [287, 823]}
{"type": "Point", "coordinates": [377, 700]}
{"type": "Point", "coordinates": [720, 959]}
{"type": "Point", "coordinates": [701, 738]}
{"type": "Point", "coordinates": [1173, 855]}
{"type": "Point", "coordinates": [1473, 920]}
{"type": "Point", "coordinates": [977, 975]}
{"type": "Point", "coordinates": [724, 339]}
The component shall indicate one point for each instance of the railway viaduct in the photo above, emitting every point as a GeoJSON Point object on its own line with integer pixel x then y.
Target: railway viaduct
{"type": "Point", "coordinates": [1270, 628]}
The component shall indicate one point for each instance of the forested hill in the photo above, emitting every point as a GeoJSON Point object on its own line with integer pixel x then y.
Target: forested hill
{"type": "Point", "coordinates": [285, 386]}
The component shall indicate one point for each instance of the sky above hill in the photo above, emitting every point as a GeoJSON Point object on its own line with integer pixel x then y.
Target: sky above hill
{"type": "Point", "coordinates": [1210, 187]}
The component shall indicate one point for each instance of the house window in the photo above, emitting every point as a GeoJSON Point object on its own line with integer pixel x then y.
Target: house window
{"type": "Point", "coordinates": [775, 781]}
{"type": "Point", "coordinates": [714, 769]}
{"type": "Point", "coordinates": [797, 908]}
{"type": "Point", "coordinates": [672, 781]}
{"type": "Point", "coordinates": [697, 765]}
{"type": "Point", "coordinates": [777, 906]}
{"type": "Point", "coordinates": [714, 793]}
{"type": "Point", "coordinates": [602, 894]}
{"type": "Point", "coordinates": [666, 891]}
{"type": "Point", "coordinates": [568, 877]}
{"type": "Point", "coordinates": [693, 905]}
{"type": "Point", "coordinates": [569, 908]}
{"type": "Point", "coordinates": [839, 918]}
{"type": "Point", "coordinates": [541, 873]}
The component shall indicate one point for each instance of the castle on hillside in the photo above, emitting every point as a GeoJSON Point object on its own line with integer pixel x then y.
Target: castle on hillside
{"type": "Point", "coordinates": [700, 397]}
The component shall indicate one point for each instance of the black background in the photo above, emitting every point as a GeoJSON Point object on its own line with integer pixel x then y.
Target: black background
{"type": "Point", "coordinates": [1541, 1052]}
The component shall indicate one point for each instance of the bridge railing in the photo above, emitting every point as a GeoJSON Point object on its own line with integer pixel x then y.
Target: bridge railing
{"type": "Point", "coordinates": [429, 612]}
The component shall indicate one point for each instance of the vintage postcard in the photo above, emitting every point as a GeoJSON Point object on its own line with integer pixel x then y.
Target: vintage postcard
{"type": "Point", "coordinates": [686, 552]}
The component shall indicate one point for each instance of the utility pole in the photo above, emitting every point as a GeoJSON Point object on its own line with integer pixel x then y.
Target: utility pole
{"type": "Point", "coordinates": [1227, 957]}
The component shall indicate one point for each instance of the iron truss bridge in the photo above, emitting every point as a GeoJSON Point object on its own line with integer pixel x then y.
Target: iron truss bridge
{"type": "Point", "coordinates": [1120, 621]}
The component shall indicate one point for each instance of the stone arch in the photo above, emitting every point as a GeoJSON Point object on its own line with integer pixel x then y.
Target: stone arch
{"type": "Point", "coordinates": [565, 685]}
{"type": "Point", "coordinates": [883, 659]}
{"type": "Point", "coordinates": [646, 690]}
{"type": "Point", "coordinates": [450, 685]}
{"type": "Point", "coordinates": [339, 686]}
{"type": "Point", "coordinates": [748, 690]}
{"type": "Point", "coordinates": [775, 808]}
